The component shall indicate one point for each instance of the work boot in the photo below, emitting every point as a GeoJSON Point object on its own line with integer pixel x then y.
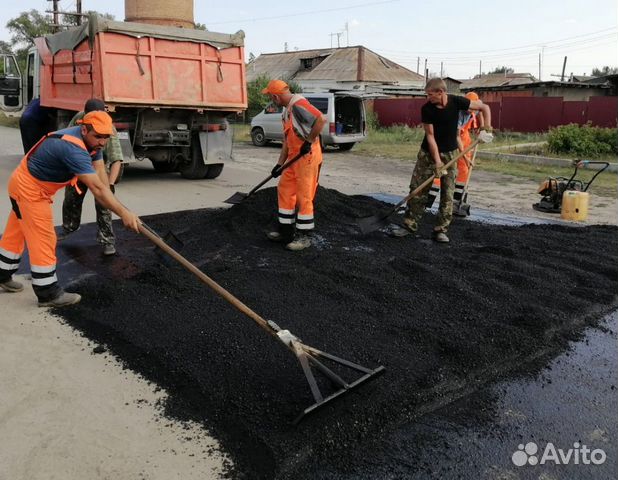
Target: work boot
{"type": "Point", "coordinates": [399, 232]}
{"type": "Point", "coordinates": [440, 237]}
{"type": "Point", "coordinates": [299, 243]}
{"type": "Point", "coordinates": [109, 250]}
{"type": "Point", "coordinates": [12, 286]}
{"type": "Point", "coordinates": [63, 234]}
{"type": "Point", "coordinates": [62, 300]}
{"type": "Point", "coordinates": [274, 236]}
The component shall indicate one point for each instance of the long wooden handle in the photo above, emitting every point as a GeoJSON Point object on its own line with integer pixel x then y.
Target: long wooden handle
{"type": "Point", "coordinates": [159, 242]}
{"type": "Point", "coordinates": [471, 167]}
{"type": "Point", "coordinates": [427, 182]}
{"type": "Point", "coordinates": [267, 179]}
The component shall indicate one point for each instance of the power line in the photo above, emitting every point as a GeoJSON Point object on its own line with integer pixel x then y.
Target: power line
{"type": "Point", "coordinates": [473, 52]}
{"type": "Point", "coordinates": [311, 12]}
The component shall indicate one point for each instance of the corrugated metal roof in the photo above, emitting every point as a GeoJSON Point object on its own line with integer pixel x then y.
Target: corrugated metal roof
{"type": "Point", "coordinates": [339, 64]}
{"type": "Point", "coordinates": [497, 80]}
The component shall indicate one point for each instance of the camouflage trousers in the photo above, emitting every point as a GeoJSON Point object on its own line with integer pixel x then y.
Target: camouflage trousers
{"type": "Point", "coordinates": [72, 214]}
{"type": "Point", "coordinates": [424, 169]}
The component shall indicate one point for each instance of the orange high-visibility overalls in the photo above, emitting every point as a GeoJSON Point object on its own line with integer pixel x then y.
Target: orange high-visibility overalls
{"type": "Point", "coordinates": [298, 184]}
{"type": "Point", "coordinates": [31, 223]}
{"type": "Point", "coordinates": [463, 170]}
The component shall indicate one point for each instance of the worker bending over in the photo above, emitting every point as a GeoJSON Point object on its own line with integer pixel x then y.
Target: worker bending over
{"type": "Point", "coordinates": [59, 159]}
{"type": "Point", "coordinates": [439, 116]}
{"type": "Point", "coordinates": [302, 124]}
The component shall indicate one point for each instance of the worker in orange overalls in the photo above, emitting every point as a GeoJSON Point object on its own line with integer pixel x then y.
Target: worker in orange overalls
{"type": "Point", "coordinates": [58, 159]}
{"type": "Point", "coordinates": [302, 124]}
{"type": "Point", "coordinates": [468, 120]}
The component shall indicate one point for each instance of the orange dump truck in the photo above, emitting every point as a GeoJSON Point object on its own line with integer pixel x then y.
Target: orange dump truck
{"type": "Point", "coordinates": [170, 90]}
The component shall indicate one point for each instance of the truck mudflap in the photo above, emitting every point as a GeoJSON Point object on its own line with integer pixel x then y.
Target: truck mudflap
{"type": "Point", "coordinates": [127, 147]}
{"type": "Point", "coordinates": [216, 145]}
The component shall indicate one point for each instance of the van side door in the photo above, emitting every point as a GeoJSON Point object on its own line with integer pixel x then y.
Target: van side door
{"type": "Point", "coordinates": [10, 84]}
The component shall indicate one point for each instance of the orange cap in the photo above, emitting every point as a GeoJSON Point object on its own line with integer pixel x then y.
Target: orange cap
{"type": "Point", "coordinates": [472, 96]}
{"type": "Point", "coordinates": [276, 87]}
{"type": "Point", "coordinates": [101, 122]}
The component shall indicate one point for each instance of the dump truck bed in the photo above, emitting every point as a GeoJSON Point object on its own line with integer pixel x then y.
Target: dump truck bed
{"type": "Point", "coordinates": [139, 65]}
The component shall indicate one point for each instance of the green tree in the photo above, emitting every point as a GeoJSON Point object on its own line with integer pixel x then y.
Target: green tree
{"type": "Point", "coordinates": [502, 69]}
{"type": "Point", "coordinates": [606, 70]}
{"type": "Point", "coordinates": [24, 29]}
{"type": "Point", "coordinates": [5, 47]}
{"type": "Point", "coordinates": [257, 100]}
{"type": "Point", "coordinates": [200, 26]}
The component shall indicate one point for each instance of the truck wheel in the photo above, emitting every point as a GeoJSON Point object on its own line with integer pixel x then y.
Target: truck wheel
{"type": "Point", "coordinates": [214, 170]}
{"type": "Point", "coordinates": [194, 168]}
{"type": "Point", "coordinates": [258, 137]}
{"type": "Point", "coordinates": [346, 146]}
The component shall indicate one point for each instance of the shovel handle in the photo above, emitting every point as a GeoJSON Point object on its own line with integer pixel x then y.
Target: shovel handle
{"type": "Point", "coordinates": [269, 178]}
{"type": "Point", "coordinates": [427, 182]}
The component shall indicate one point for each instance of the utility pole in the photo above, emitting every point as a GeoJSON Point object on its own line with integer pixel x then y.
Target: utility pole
{"type": "Point", "coordinates": [418, 64]}
{"type": "Point", "coordinates": [425, 70]}
{"type": "Point", "coordinates": [563, 69]}
{"type": "Point", "coordinates": [480, 67]}
{"type": "Point", "coordinates": [441, 69]}
{"type": "Point", "coordinates": [539, 67]}
{"type": "Point", "coordinates": [347, 34]}
{"type": "Point", "coordinates": [338, 35]}
{"type": "Point", "coordinates": [78, 7]}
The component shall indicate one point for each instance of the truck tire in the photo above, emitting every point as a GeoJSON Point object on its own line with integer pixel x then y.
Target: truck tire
{"type": "Point", "coordinates": [258, 137]}
{"type": "Point", "coordinates": [346, 146]}
{"type": "Point", "coordinates": [214, 170]}
{"type": "Point", "coordinates": [194, 168]}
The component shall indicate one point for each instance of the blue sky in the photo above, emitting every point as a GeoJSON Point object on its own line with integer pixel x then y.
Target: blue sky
{"type": "Point", "coordinates": [460, 34]}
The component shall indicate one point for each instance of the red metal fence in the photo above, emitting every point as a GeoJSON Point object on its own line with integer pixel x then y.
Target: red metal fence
{"type": "Point", "coordinates": [519, 114]}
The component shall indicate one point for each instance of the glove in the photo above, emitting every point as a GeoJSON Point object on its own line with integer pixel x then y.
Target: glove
{"type": "Point", "coordinates": [276, 171]}
{"type": "Point", "coordinates": [305, 148]}
{"type": "Point", "coordinates": [112, 187]}
{"type": "Point", "coordinates": [485, 136]}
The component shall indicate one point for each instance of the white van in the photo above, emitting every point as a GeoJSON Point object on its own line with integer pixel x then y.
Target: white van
{"type": "Point", "coordinates": [345, 114]}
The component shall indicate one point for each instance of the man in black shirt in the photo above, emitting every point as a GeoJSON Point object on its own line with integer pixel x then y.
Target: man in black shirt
{"type": "Point", "coordinates": [439, 116]}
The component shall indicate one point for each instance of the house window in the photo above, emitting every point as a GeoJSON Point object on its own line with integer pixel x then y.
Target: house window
{"type": "Point", "coordinates": [310, 63]}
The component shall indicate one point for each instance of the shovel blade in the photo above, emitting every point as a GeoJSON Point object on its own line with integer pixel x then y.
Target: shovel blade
{"type": "Point", "coordinates": [371, 224]}
{"type": "Point", "coordinates": [237, 198]}
{"type": "Point", "coordinates": [461, 210]}
{"type": "Point", "coordinates": [173, 241]}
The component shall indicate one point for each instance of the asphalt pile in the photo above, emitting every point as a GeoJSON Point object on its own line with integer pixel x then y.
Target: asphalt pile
{"type": "Point", "coordinates": [443, 319]}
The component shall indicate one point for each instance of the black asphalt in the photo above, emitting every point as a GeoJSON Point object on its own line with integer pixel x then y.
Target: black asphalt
{"type": "Point", "coordinates": [447, 322]}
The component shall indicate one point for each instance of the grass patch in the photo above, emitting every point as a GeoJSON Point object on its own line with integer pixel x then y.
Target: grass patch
{"type": "Point", "coordinates": [605, 185]}
{"type": "Point", "coordinates": [8, 121]}
{"type": "Point", "coordinates": [242, 133]}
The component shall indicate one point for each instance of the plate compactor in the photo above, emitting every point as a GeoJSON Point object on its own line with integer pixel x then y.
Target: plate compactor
{"type": "Point", "coordinates": [552, 189]}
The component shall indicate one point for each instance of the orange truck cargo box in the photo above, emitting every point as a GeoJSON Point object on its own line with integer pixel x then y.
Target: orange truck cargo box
{"type": "Point", "coordinates": [140, 65]}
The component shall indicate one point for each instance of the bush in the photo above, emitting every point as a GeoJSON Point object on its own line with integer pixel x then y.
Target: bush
{"type": "Point", "coordinates": [257, 100]}
{"type": "Point", "coordinates": [583, 141]}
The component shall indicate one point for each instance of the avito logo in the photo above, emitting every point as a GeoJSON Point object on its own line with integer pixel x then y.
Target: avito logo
{"type": "Point", "coordinates": [528, 454]}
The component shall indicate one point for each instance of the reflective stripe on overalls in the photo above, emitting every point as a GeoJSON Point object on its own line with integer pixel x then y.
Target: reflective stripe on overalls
{"type": "Point", "coordinates": [298, 184]}
{"type": "Point", "coordinates": [31, 223]}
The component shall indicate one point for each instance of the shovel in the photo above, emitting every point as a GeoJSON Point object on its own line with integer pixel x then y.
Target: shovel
{"type": "Point", "coordinates": [462, 209]}
{"type": "Point", "coordinates": [307, 356]}
{"type": "Point", "coordinates": [374, 222]}
{"type": "Point", "coordinates": [240, 197]}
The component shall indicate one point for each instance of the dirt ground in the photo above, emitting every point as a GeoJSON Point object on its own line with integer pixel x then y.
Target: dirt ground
{"type": "Point", "coordinates": [352, 174]}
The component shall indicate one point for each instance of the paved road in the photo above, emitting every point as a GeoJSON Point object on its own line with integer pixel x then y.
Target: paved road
{"type": "Point", "coordinates": [67, 413]}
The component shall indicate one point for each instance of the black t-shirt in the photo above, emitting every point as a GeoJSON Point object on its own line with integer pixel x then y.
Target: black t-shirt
{"type": "Point", "coordinates": [444, 121]}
